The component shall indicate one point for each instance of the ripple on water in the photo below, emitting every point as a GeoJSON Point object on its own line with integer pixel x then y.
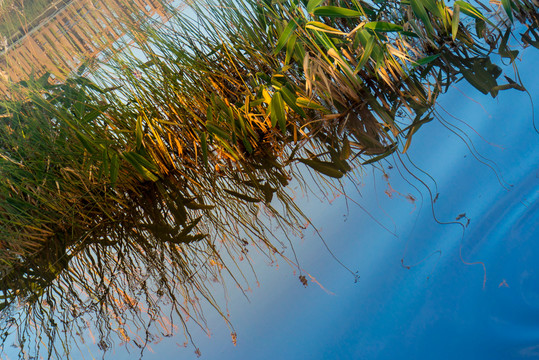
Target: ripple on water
{"type": "Point", "coordinates": [512, 257]}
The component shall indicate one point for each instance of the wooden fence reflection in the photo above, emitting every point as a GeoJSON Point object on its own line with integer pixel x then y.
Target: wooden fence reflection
{"type": "Point", "coordinates": [69, 33]}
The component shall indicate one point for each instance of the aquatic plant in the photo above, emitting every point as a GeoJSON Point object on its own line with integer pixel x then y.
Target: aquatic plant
{"type": "Point", "coordinates": [135, 185]}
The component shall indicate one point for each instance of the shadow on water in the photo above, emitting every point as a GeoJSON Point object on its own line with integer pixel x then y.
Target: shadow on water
{"type": "Point", "coordinates": [129, 187]}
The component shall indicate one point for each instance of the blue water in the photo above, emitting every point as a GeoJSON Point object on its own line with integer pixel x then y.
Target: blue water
{"type": "Point", "coordinates": [440, 307]}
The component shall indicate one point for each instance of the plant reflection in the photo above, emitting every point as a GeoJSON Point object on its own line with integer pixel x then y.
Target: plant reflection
{"type": "Point", "coordinates": [126, 193]}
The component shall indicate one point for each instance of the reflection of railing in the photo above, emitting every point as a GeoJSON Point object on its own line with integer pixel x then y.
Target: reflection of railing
{"type": "Point", "coordinates": [68, 33]}
{"type": "Point", "coordinates": [51, 10]}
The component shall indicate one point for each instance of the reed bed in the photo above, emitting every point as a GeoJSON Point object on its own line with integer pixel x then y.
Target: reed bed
{"type": "Point", "coordinates": [136, 185]}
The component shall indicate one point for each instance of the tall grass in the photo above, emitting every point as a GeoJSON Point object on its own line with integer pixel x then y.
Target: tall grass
{"type": "Point", "coordinates": [130, 189]}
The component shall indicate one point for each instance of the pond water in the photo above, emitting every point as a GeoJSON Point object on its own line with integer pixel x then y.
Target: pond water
{"type": "Point", "coordinates": [439, 307]}
{"type": "Point", "coordinates": [426, 290]}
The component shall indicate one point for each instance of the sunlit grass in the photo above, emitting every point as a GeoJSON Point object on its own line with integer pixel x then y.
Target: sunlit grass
{"type": "Point", "coordinates": [128, 190]}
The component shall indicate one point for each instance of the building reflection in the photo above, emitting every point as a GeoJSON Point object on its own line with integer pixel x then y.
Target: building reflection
{"type": "Point", "coordinates": [68, 34]}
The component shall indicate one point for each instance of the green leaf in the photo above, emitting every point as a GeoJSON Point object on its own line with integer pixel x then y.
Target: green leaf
{"type": "Point", "coordinates": [326, 41]}
{"type": "Point", "coordinates": [89, 84]}
{"type": "Point", "coordinates": [319, 26]}
{"type": "Point", "coordinates": [526, 39]}
{"type": "Point", "coordinates": [44, 79]}
{"type": "Point", "coordinates": [346, 150]}
{"type": "Point", "coordinates": [335, 11]}
{"type": "Point", "coordinates": [142, 165]}
{"type": "Point", "coordinates": [411, 132]}
{"type": "Point", "coordinates": [114, 169]}
{"type": "Point", "coordinates": [268, 191]}
{"type": "Point", "coordinates": [409, 33]}
{"type": "Point", "coordinates": [247, 144]}
{"type": "Point", "coordinates": [476, 81]}
{"type": "Point", "coordinates": [86, 142]}
{"type": "Point", "coordinates": [290, 98]}
{"type": "Point", "coordinates": [283, 39]}
{"type": "Point", "coordinates": [470, 10]}
{"type": "Point", "coordinates": [427, 60]}
{"type": "Point", "coordinates": [313, 4]}
{"type": "Point", "coordinates": [209, 114]}
{"type": "Point", "coordinates": [148, 64]}
{"type": "Point", "coordinates": [382, 26]}
{"type": "Point", "coordinates": [80, 104]}
{"type": "Point", "coordinates": [337, 161]}
{"type": "Point", "coordinates": [217, 130]}
{"type": "Point", "coordinates": [187, 239]}
{"type": "Point", "coordinates": [390, 151]}
{"type": "Point", "coordinates": [188, 228]}
{"type": "Point", "coordinates": [432, 6]}
{"type": "Point", "coordinates": [278, 80]}
{"type": "Point", "coordinates": [290, 48]}
{"type": "Point", "coordinates": [242, 196]}
{"type": "Point", "coordinates": [148, 164]}
{"type": "Point", "coordinates": [507, 7]}
{"type": "Point", "coordinates": [138, 132]}
{"type": "Point", "coordinates": [310, 104]}
{"type": "Point", "coordinates": [277, 114]}
{"type": "Point", "coordinates": [455, 21]}
{"type": "Point", "coordinates": [504, 50]}
{"type": "Point", "coordinates": [196, 206]}
{"type": "Point", "coordinates": [255, 103]}
{"type": "Point", "coordinates": [368, 47]}
{"type": "Point", "coordinates": [323, 167]}
{"type": "Point", "coordinates": [204, 146]}
{"type": "Point", "coordinates": [92, 115]}
{"type": "Point", "coordinates": [420, 11]}
{"type": "Point", "coordinates": [480, 27]}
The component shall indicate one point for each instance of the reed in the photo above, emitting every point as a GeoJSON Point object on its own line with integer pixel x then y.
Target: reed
{"type": "Point", "coordinates": [138, 183]}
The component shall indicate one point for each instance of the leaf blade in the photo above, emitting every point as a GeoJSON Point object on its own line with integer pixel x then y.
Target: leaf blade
{"type": "Point", "coordinates": [277, 112]}
{"type": "Point", "coordinates": [335, 11]}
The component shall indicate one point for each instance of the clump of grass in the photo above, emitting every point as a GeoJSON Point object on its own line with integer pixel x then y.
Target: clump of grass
{"type": "Point", "coordinates": [117, 191]}
{"type": "Point", "coordinates": [80, 181]}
